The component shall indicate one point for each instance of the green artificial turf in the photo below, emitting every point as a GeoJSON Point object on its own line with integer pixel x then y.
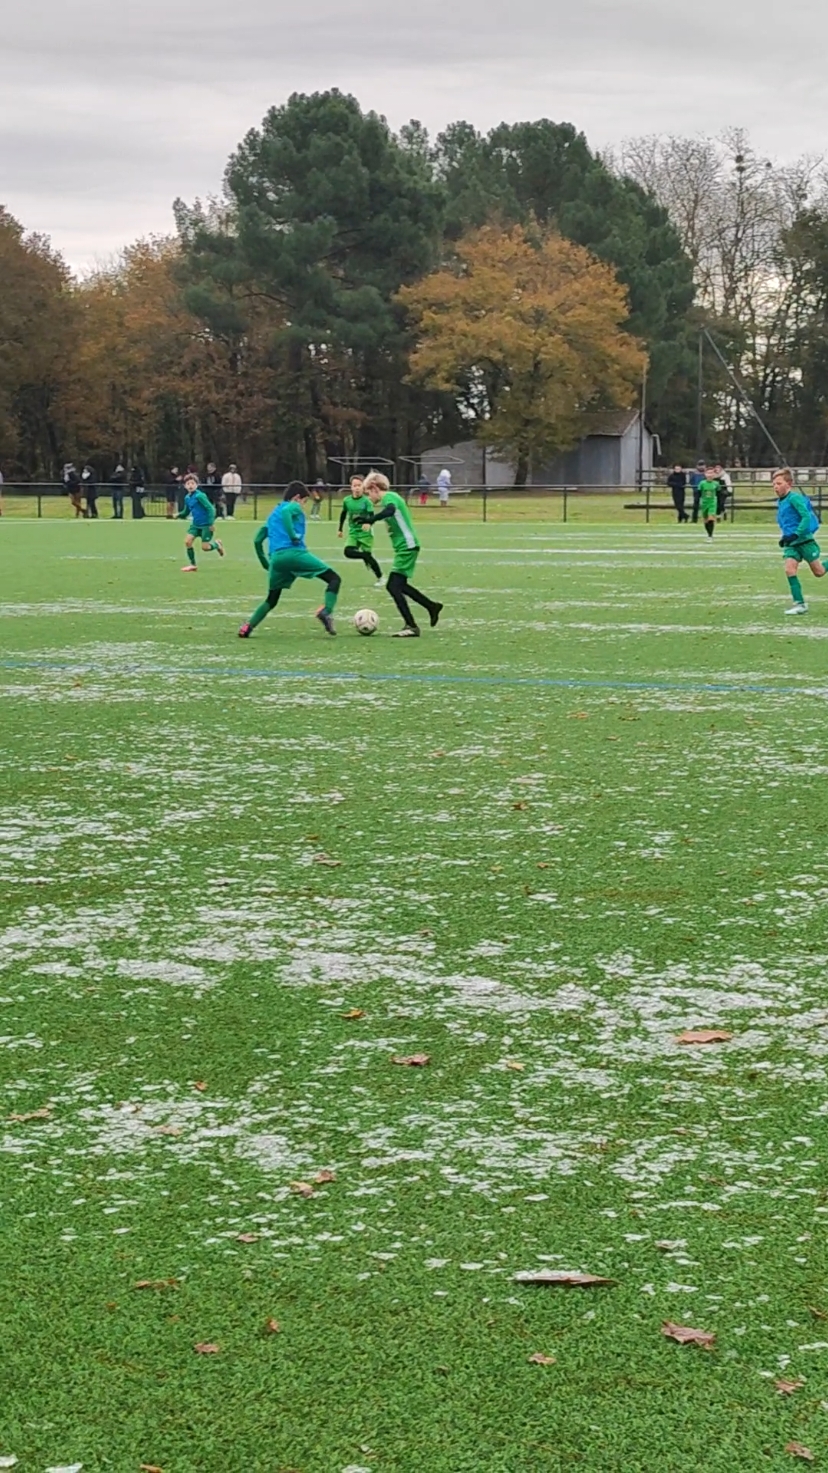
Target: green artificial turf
{"type": "Point", "coordinates": [583, 815]}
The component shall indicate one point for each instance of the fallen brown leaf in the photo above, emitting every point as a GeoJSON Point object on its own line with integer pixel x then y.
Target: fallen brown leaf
{"type": "Point", "coordinates": [818, 1314]}
{"type": "Point", "coordinates": [579, 715]}
{"type": "Point", "coordinates": [247, 1237]}
{"type": "Point", "coordinates": [514, 1064]}
{"type": "Point", "coordinates": [323, 1177]}
{"type": "Point", "coordinates": [312, 838]}
{"type": "Point", "coordinates": [413, 1061]}
{"type": "Point", "coordinates": [159, 1284]}
{"type": "Point", "coordinates": [150, 1468]}
{"type": "Point", "coordinates": [42, 1114]}
{"type": "Point", "coordinates": [200, 1086]}
{"type": "Point", "coordinates": [519, 806]}
{"type": "Point", "coordinates": [704, 1035]}
{"type": "Point", "coordinates": [787, 1388]}
{"type": "Point", "coordinates": [272, 1327]}
{"type": "Point", "coordinates": [685, 1336]}
{"type": "Point", "coordinates": [797, 1450]}
{"type": "Point", "coordinates": [206, 1347]}
{"type": "Point", "coordinates": [326, 859]}
{"type": "Point", "coordinates": [561, 1278]}
{"type": "Point", "coordinates": [541, 1360]}
{"type": "Point", "coordinates": [302, 1188]}
{"type": "Point", "coordinates": [353, 1013]}
{"type": "Point", "coordinates": [168, 1130]}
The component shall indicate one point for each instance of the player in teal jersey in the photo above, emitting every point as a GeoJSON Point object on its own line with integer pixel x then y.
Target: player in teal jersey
{"type": "Point", "coordinates": [284, 533]}
{"type": "Point", "coordinates": [797, 522]}
{"type": "Point", "coordinates": [199, 508]}
{"type": "Point", "coordinates": [391, 509]}
{"type": "Point", "coordinates": [360, 543]}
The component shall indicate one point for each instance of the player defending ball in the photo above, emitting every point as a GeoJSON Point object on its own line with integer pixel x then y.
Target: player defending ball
{"type": "Point", "coordinates": [360, 543]}
{"type": "Point", "coordinates": [797, 522]}
{"type": "Point", "coordinates": [199, 508]}
{"type": "Point", "coordinates": [394, 512]}
{"type": "Point", "coordinates": [284, 532]}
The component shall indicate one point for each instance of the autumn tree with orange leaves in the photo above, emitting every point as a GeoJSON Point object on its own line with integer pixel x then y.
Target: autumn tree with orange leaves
{"type": "Point", "coordinates": [527, 330]}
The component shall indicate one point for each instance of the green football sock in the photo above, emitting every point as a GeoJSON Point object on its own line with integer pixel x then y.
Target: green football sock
{"type": "Point", "coordinates": [261, 613]}
{"type": "Point", "coordinates": [330, 601]}
{"type": "Point", "coordinates": [796, 589]}
{"type": "Point", "coordinates": [191, 555]}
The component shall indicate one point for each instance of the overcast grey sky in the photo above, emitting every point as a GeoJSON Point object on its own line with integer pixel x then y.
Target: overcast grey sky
{"type": "Point", "coordinates": [111, 108]}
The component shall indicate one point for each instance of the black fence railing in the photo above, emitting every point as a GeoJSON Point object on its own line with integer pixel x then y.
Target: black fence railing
{"type": "Point", "coordinates": [751, 495]}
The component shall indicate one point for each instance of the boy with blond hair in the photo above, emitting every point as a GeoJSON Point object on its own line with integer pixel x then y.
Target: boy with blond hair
{"type": "Point", "coordinates": [797, 522]}
{"type": "Point", "coordinates": [391, 509]}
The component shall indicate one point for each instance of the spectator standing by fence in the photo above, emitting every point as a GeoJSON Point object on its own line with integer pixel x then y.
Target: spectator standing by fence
{"type": "Point", "coordinates": [117, 483]}
{"type": "Point", "coordinates": [136, 491]}
{"type": "Point", "coordinates": [725, 491]}
{"type": "Point", "coordinates": [72, 487]}
{"type": "Point", "coordinates": [89, 482]}
{"type": "Point", "coordinates": [231, 485]}
{"type": "Point", "coordinates": [212, 486]}
{"type": "Point", "coordinates": [677, 481]}
{"type": "Point", "coordinates": [318, 490]}
{"type": "Point", "coordinates": [444, 486]}
{"type": "Point", "coordinates": [423, 487]}
{"type": "Point", "coordinates": [172, 482]}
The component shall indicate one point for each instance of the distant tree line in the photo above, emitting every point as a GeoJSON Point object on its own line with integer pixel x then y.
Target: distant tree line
{"type": "Point", "coordinates": [359, 293]}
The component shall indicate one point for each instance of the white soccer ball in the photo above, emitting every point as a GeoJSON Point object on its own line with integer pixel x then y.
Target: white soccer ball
{"type": "Point", "coordinates": [366, 621]}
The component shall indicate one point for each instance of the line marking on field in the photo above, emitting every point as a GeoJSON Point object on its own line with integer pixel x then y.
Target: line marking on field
{"type": "Point", "coordinates": [417, 678]}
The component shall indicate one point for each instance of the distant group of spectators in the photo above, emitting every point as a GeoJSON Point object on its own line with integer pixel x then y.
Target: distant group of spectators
{"type": "Point", "coordinates": [680, 481]}
{"type": "Point", "coordinates": [83, 488]}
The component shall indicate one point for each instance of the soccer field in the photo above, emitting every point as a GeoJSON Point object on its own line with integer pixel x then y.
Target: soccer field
{"type": "Point", "coordinates": [585, 814]}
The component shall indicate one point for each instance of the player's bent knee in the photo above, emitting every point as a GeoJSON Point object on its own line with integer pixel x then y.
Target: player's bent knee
{"type": "Point", "coordinates": [395, 584]}
{"type": "Point", "coordinates": [273, 597]}
{"type": "Point", "coordinates": [332, 579]}
{"type": "Point", "coordinates": [352, 552]}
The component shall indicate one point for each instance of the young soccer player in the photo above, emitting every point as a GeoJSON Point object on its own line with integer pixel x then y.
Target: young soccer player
{"type": "Point", "coordinates": [709, 499]}
{"type": "Point", "coordinates": [284, 532]}
{"type": "Point", "coordinates": [360, 541]}
{"type": "Point", "coordinates": [199, 508]}
{"type": "Point", "coordinates": [797, 522]}
{"type": "Point", "coordinates": [394, 512]}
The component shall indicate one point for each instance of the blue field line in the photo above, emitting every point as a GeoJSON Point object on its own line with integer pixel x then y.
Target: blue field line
{"type": "Point", "coordinates": [415, 678]}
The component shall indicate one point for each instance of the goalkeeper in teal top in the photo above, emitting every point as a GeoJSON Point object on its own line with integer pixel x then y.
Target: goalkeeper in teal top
{"type": "Point", "coordinates": [199, 508]}
{"type": "Point", "coordinates": [797, 522]}
{"type": "Point", "coordinates": [391, 509]}
{"type": "Point", "coordinates": [360, 543]}
{"type": "Point", "coordinates": [284, 533]}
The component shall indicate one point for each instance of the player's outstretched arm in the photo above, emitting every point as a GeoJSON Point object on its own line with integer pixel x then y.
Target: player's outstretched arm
{"type": "Point", "coordinates": [342, 515]}
{"type": "Point", "coordinates": [258, 542]}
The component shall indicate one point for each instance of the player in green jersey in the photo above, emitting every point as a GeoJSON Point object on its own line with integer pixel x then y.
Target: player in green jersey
{"type": "Point", "coordinates": [798, 522]}
{"type": "Point", "coordinates": [708, 488]}
{"type": "Point", "coordinates": [391, 509]}
{"type": "Point", "coordinates": [360, 543]}
{"type": "Point", "coordinates": [199, 508]}
{"type": "Point", "coordinates": [284, 533]}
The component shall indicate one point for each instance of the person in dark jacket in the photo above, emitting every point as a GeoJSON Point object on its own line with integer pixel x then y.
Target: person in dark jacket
{"type": "Point", "coordinates": [89, 482]}
{"type": "Point", "coordinates": [72, 487]}
{"type": "Point", "coordinates": [696, 478]}
{"type": "Point", "coordinates": [677, 481]}
{"type": "Point", "coordinates": [212, 486]}
{"type": "Point", "coordinates": [136, 491]}
{"type": "Point", "coordinates": [117, 482]}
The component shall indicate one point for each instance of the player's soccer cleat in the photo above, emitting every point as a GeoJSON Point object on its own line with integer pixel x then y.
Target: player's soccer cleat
{"type": "Point", "coordinates": [380, 583]}
{"type": "Point", "coordinates": [434, 613]}
{"type": "Point", "coordinates": [797, 609]}
{"type": "Point", "coordinates": [189, 568]}
{"type": "Point", "coordinates": [245, 631]}
{"type": "Point", "coordinates": [326, 620]}
{"type": "Point", "coordinates": [219, 547]}
{"type": "Point", "coordinates": [409, 632]}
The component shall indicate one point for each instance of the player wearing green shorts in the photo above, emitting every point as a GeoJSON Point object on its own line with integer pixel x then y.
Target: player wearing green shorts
{"type": "Point", "coordinates": [199, 508]}
{"type": "Point", "coordinates": [394, 512]}
{"type": "Point", "coordinates": [284, 533]}
{"type": "Point", "coordinates": [709, 488]}
{"type": "Point", "coordinates": [360, 543]}
{"type": "Point", "coordinates": [797, 522]}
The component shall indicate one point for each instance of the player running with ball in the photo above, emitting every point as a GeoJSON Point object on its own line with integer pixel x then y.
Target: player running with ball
{"type": "Point", "coordinates": [199, 508]}
{"type": "Point", "coordinates": [284, 532]}
{"type": "Point", "coordinates": [797, 522]}
{"type": "Point", "coordinates": [393, 511]}
{"type": "Point", "coordinates": [360, 543]}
